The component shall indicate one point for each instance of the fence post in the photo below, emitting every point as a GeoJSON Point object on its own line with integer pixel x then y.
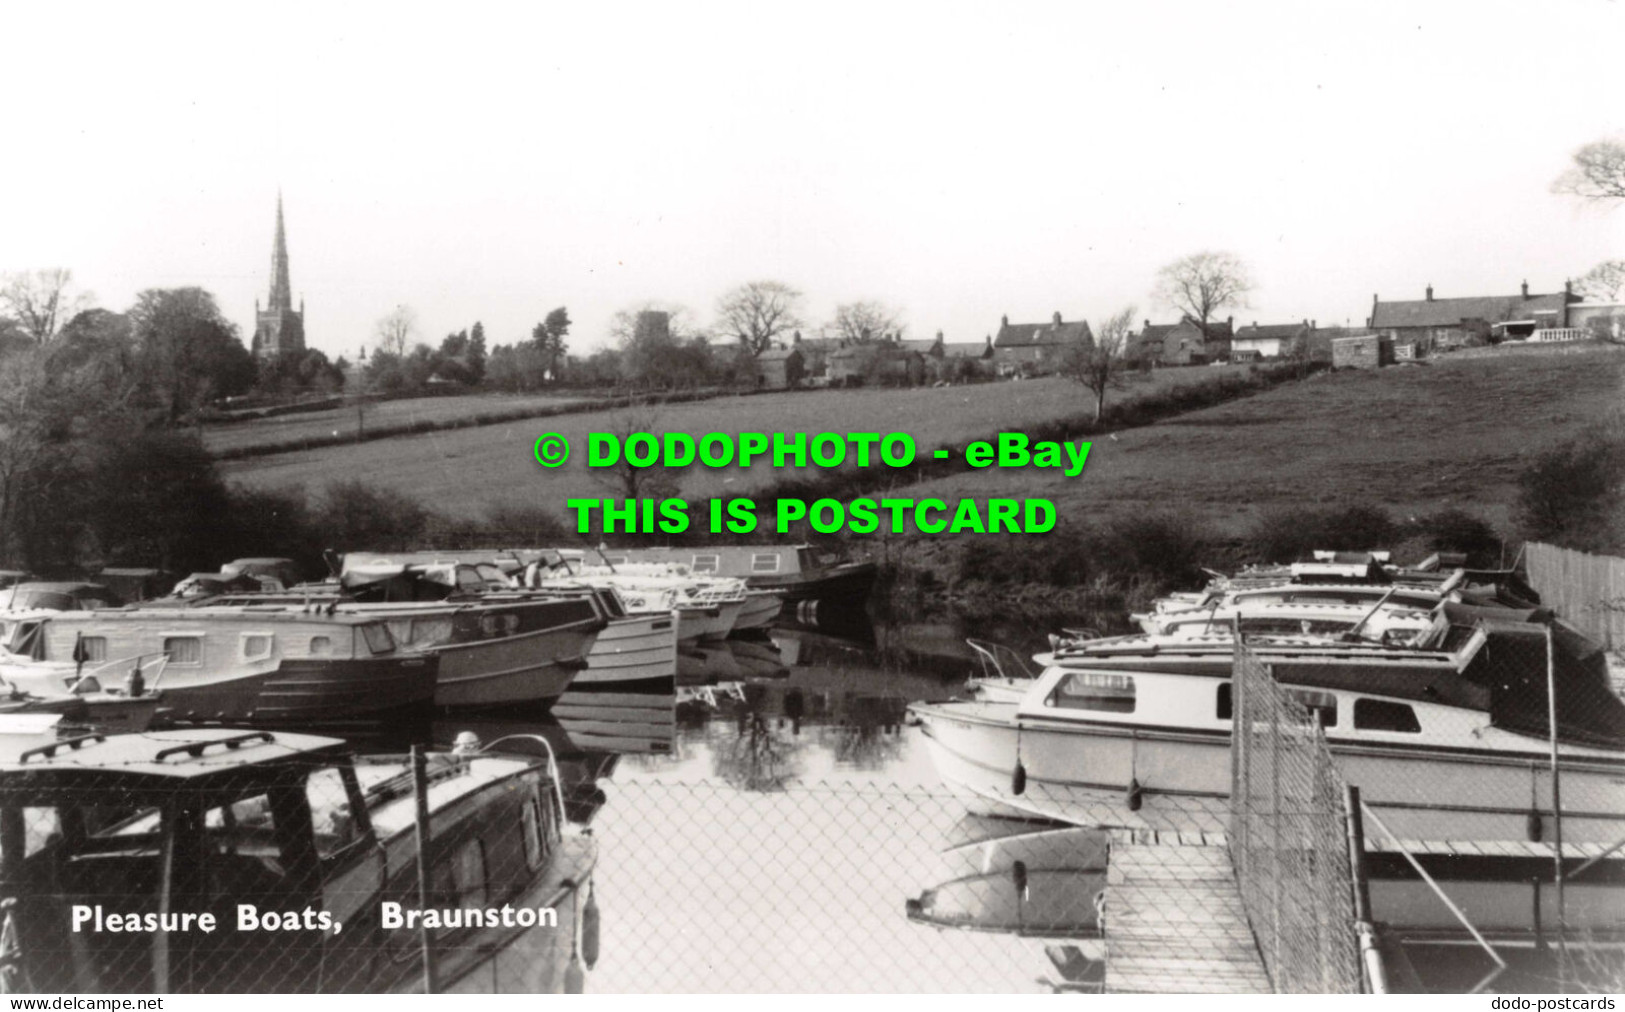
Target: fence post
{"type": "Point", "coordinates": [420, 790]}
{"type": "Point", "coordinates": [1557, 801]}
{"type": "Point", "coordinates": [1275, 823]}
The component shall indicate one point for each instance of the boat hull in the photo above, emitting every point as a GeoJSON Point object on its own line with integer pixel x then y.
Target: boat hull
{"type": "Point", "coordinates": [1137, 777]}
{"type": "Point", "coordinates": [304, 692]}
{"type": "Point", "coordinates": [632, 654]}
{"type": "Point", "coordinates": [848, 582]}
{"type": "Point", "coordinates": [760, 609]}
{"type": "Point", "coordinates": [525, 668]}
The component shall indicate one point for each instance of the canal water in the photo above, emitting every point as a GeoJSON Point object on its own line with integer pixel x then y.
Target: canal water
{"type": "Point", "coordinates": [777, 825]}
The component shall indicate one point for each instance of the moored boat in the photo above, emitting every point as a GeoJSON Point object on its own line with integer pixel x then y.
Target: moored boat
{"type": "Point", "coordinates": [319, 849]}
{"type": "Point", "coordinates": [270, 666]}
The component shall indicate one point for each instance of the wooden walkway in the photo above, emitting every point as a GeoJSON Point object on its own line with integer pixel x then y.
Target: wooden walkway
{"type": "Point", "coordinates": [1174, 921]}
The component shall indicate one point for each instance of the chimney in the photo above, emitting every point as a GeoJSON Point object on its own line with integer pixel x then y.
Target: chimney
{"type": "Point", "coordinates": [1526, 288]}
{"type": "Point", "coordinates": [1148, 325]}
{"type": "Point", "coordinates": [1568, 287]}
{"type": "Point", "coordinates": [1057, 318]}
{"type": "Point", "coordinates": [1430, 293]}
{"type": "Point", "coordinates": [939, 333]}
{"type": "Point", "coordinates": [1004, 321]}
{"type": "Point", "coordinates": [1230, 321]}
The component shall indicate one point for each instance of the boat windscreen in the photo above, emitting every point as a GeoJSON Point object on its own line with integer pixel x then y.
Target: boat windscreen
{"type": "Point", "coordinates": [1512, 663]}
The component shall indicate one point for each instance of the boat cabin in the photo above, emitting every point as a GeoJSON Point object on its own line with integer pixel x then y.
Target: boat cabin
{"type": "Point", "coordinates": [219, 861]}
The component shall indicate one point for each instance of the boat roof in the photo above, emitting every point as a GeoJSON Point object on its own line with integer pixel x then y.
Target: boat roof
{"type": "Point", "coordinates": [202, 758]}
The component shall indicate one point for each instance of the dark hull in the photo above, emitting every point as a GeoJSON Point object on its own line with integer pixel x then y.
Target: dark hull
{"type": "Point", "coordinates": [305, 692]}
{"type": "Point", "coordinates": [849, 582]}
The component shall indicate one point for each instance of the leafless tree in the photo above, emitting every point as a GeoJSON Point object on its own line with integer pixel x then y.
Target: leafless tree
{"type": "Point", "coordinates": [1598, 172]}
{"type": "Point", "coordinates": [866, 321]}
{"type": "Point", "coordinates": [395, 329]}
{"type": "Point", "coordinates": [1202, 284]}
{"type": "Point", "coordinates": [41, 302]}
{"type": "Point", "coordinates": [1604, 282]}
{"type": "Point", "coordinates": [757, 312]}
{"type": "Point", "coordinates": [627, 480]}
{"type": "Point", "coordinates": [1099, 364]}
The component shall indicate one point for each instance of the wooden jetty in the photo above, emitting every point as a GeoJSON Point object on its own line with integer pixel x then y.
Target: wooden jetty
{"type": "Point", "coordinates": [1174, 920]}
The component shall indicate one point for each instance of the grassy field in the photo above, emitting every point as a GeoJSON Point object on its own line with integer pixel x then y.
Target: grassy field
{"type": "Point", "coordinates": [462, 472]}
{"type": "Point", "coordinates": [1414, 439]}
{"type": "Point", "coordinates": [342, 421]}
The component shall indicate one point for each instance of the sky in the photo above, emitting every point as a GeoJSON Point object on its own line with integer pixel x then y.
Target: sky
{"type": "Point", "coordinates": [959, 162]}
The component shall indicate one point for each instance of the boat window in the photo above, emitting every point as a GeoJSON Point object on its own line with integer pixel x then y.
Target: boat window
{"type": "Point", "coordinates": [379, 641]}
{"type": "Point", "coordinates": [469, 580]}
{"type": "Point", "coordinates": [1094, 690]}
{"type": "Point", "coordinates": [707, 563]}
{"type": "Point", "coordinates": [533, 834]}
{"type": "Point", "coordinates": [92, 648]}
{"type": "Point", "coordinates": [764, 562]}
{"type": "Point", "coordinates": [29, 640]}
{"type": "Point", "coordinates": [1381, 715]}
{"type": "Point", "coordinates": [321, 646]}
{"type": "Point", "coordinates": [184, 649]}
{"type": "Point", "coordinates": [430, 631]}
{"type": "Point", "coordinates": [1322, 703]}
{"type": "Point", "coordinates": [1226, 707]}
{"type": "Point", "coordinates": [257, 646]}
{"type": "Point", "coordinates": [458, 881]}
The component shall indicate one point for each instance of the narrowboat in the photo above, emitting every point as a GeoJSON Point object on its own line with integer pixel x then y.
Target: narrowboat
{"type": "Point", "coordinates": [263, 666]}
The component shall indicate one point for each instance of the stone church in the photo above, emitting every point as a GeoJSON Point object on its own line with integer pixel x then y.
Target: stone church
{"type": "Point", "coordinates": [278, 328]}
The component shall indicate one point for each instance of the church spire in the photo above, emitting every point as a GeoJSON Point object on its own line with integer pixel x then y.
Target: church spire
{"type": "Point", "coordinates": [281, 290]}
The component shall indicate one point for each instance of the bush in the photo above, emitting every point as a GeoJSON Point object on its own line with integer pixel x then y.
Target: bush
{"type": "Point", "coordinates": [1574, 493]}
{"type": "Point", "coordinates": [355, 516]}
{"type": "Point", "coordinates": [1291, 535]}
{"type": "Point", "coordinates": [1455, 530]}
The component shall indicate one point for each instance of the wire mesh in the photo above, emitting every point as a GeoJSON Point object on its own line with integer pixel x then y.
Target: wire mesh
{"type": "Point", "coordinates": [1288, 837]}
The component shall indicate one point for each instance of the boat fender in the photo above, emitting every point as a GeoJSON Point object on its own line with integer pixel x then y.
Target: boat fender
{"type": "Point", "coordinates": [1134, 792]}
{"type": "Point", "coordinates": [1018, 875]}
{"type": "Point", "coordinates": [1018, 779]}
{"type": "Point", "coordinates": [589, 929]}
{"type": "Point", "coordinates": [575, 978]}
{"type": "Point", "coordinates": [1534, 827]}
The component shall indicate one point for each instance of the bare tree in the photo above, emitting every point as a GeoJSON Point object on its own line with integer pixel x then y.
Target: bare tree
{"type": "Point", "coordinates": [1202, 284]}
{"type": "Point", "coordinates": [628, 480]}
{"type": "Point", "coordinates": [41, 301]}
{"type": "Point", "coordinates": [757, 312]}
{"type": "Point", "coordinates": [866, 321]}
{"type": "Point", "coordinates": [1598, 172]}
{"type": "Point", "coordinates": [1604, 282]}
{"type": "Point", "coordinates": [1099, 364]}
{"type": "Point", "coordinates": [395, 329]}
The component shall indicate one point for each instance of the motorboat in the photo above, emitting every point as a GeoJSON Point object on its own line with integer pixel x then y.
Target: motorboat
{"type": "Point", "coordinates": [212, 861]}
{"type": "Point", "coordinates": [1447, 738]}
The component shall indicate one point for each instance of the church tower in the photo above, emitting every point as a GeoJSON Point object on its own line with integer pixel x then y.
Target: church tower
{"type": "Point", "coordinates": [278, 328]}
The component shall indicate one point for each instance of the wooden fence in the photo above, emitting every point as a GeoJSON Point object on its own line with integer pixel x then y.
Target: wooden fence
{"type": "Point", "coordinates": [1587, 591]}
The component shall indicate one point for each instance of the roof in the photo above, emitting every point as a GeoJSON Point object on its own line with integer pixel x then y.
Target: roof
{"type": "Point", "coordinates": [922, 345]}
{"type": "Point", "coordinates": [1018, 335]}
{"type": "Point", "coordinates": [1271, 331]}
{"type": "Point", "coordinates": [776, 354]}
{"type": "Point", "coordinates": [59, 588]}
{"type": "Point", "coordinates": [111, 762]}
{"type": "Point", "coordinates": [967, 349]}
{"type": "Point", "coordinates": [1450, 312]}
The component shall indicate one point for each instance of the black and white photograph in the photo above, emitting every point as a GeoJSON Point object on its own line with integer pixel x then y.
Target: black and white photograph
{"type": "Point", "coordinates": [727, 498]}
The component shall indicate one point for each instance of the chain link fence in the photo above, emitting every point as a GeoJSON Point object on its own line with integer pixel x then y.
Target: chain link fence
{"type": "Point", "coordinates": [1288, 836]}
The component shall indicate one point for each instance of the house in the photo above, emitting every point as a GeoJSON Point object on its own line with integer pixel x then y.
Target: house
{"type": "Point", "coordinates": [815, 352]}
{"type": "Point", "coordinates": [1271, 340]}
{"type": "Point", "coordinates": [1603, 321]}
{"type": "Point", "coordinates": [1183, 343]}
{"type": "Point", "coordinates": [1440, 324]}
{"type": "Point", "coordinates": [965, 360]}
{"type": "Point", "coordinates": [1363, 351]}
{"type": "Point", "coordinates": [780, 368]}
{"type": "Point", "coordinates": [1033, 348]}
{"type": "Point", "coordinates": [876, 363]}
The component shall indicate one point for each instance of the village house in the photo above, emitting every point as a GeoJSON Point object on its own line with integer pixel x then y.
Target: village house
{"type": "Point", "coordinates": [815, 352]}
{"type": "Point", "coordinates": [1429, 324]}
{"type": "Point", "coordinates": [1036, 348]}
{"type": "Point", "coordinates": [1183, 343]}
{"type": "Point", "coordinates": [1271, 340]}
{"type": "Point", "coordinates": [962, 360]}
{"type": "Point", "coordinates": [780, 368]}
{"type": "Point", "coordinates": [876, 363]}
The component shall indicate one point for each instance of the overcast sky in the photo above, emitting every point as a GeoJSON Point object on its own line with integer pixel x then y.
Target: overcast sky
{"type": "Point", "coordinates": [960, 162]}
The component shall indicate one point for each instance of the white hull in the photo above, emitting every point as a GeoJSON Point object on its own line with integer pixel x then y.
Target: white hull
{"type": "Point", "coordinates": [760, 609]}
{"type": "Point", "coordinates": [1082, 775]}
{"type": "Point", "coordinates": [704, 622]}
{"type": "Point", "coordinates": [635, 648]}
